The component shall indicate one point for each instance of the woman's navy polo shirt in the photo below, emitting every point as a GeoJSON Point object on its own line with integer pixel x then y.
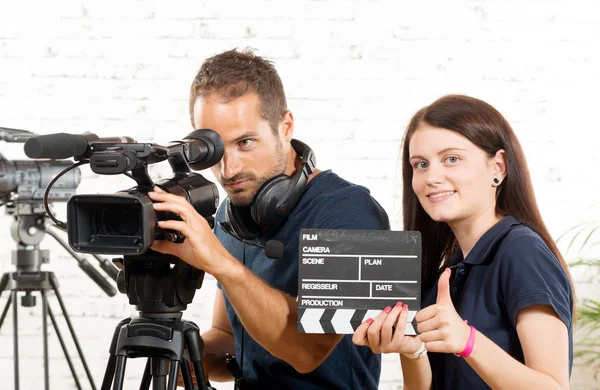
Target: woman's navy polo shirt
{"type": "Point", "coordinates": [510, 268]}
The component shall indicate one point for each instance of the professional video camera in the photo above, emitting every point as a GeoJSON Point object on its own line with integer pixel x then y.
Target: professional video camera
{"type": "Point", "coordinates": [125, 223]}
{"type": "Point", "coordinates": [24, 181]}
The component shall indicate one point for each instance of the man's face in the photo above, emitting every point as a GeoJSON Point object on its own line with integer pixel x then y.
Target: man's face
{"type": "Point", "coordinates": [253, 154]}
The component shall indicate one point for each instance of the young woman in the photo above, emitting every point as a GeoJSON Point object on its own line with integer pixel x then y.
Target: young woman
{"type": "Point", "coordinates": [497, 300]}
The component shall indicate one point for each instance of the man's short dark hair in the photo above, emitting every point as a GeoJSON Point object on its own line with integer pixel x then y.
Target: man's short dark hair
{"type": "Point", "coordinates": [233, 73]}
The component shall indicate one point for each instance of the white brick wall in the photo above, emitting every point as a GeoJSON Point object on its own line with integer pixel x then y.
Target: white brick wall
{"type": "Point", "coordinates": [354, 71]}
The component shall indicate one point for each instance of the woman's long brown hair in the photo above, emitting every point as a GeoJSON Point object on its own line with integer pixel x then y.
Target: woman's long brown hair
{"type": "Point", "coordinates": [485, 127]}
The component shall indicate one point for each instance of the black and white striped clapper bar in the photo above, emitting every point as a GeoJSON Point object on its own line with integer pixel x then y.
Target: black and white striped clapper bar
{"type": "Point", "coordinates": [347, 276]}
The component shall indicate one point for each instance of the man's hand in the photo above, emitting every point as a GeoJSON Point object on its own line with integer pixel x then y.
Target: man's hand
{"type": "Point", "coordinates": [201, 247]}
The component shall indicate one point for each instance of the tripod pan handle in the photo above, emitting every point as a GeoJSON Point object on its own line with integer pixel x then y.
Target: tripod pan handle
{"type": "Point", "coordinates": [98, 278]}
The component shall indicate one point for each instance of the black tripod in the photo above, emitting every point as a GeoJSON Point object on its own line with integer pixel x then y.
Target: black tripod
{"type": "Point", "coordinates": [163, 342]}
{"type": "Point", "coordinates": [28, 230]}
{"type": "Point", "coordinates": [160, 286]}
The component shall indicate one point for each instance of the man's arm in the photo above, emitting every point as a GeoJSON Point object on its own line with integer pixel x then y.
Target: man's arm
{"type": "Point", "coordinates": [267, 314]}
{"type": "Point", "coordinates": [217, 342]}
{"type": "Point", "coordinates": [270, 317]}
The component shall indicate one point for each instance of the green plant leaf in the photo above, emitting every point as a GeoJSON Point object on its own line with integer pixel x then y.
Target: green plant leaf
{"type": "Point", "coordinates": [588, 238]}
{"type": "Point", "coordinates": [581, 238]}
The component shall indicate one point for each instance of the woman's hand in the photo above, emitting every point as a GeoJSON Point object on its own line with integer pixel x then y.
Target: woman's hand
{"type": "Point", "coordinates": [385, 334]}
{"type": "Point", "coordinates": [440, 326]}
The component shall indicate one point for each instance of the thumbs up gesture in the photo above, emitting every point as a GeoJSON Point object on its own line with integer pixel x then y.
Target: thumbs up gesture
{"type": "Point", "coordinates": [440, 326]}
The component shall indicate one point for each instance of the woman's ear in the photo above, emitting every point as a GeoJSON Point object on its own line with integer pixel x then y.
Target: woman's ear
{"type": "Point", "coordinates": [499, 167]}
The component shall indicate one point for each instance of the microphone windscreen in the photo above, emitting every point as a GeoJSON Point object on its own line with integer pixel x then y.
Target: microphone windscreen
{"type": "Point", "coordinates": [274, 249]}
{"type": "Point", "coordinates": [56, 146]}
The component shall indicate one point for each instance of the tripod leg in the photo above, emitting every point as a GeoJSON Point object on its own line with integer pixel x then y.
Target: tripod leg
{"type": "Point", "coordinates": [8, 302]}
{"type": "Point", "coordinates": [109, 373]}
{"type": "Point", "coordinates": [173, 373]}
{"type": "Point", "coordinates": [146, 378]}
{"type": "Point", "coordinates": [64, 310]}
{"type": "Point", "coordinates": [3, 283]}
{"type": "Point", "coordinates": [64, 347]}
{"type": "Point", "coordinates": [195, 345]}
{"type": "Point", "coordinates": [119, 373]}
{"type": "Point", "coordinates": [112, 359]}
{"type": "Point", "coordinates": [200, 378]}
{"type": "Point", "coordinates": [159, 368]}
{"type": "Point", "coordinates": [187, 376]}
{"type": "Point", "coordinates": [15, 338]}
{"type": "Point", "coordinates": [45, 338]}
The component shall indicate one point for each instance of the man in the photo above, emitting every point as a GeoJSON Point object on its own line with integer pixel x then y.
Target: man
{"type": "Point", "coordinates": [240, 96]}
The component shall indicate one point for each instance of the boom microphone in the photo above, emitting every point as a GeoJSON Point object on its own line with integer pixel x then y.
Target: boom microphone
{"type": "Point", "coordinates": [65, 145]}
{"type": "Point", "coordinates": [273, 249]}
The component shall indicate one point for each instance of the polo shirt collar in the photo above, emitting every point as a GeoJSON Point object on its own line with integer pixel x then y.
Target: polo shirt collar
{"type": "Point", "coordinates": [487, 243]}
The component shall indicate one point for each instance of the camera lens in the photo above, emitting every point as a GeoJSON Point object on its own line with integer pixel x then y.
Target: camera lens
{"type": "Point", "coordinates": [119, 219]}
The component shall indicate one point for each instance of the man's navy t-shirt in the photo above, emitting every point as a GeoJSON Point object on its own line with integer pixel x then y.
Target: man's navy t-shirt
{"type": "Point", "coordinates": [509, 268]}
{"type": "Point", "coordinates": [328, 202]}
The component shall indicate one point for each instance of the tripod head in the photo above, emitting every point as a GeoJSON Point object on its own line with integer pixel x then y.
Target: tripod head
{"type": "Point", "coordinates": [28, 231]}
{"type": "Point", "coordinates": [159, 285]}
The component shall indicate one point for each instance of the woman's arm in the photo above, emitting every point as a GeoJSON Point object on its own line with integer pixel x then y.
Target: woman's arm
{"type": "Point", "coordinates": [543, 337]}
{"type": "Point", "coordinates": [545, 342]}
{"type": "Point", "coordinates": [385, 334]}
{"type": "Point", "coordinates": [416, 373]}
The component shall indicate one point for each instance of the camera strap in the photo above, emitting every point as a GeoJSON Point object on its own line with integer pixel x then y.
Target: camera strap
{"type": "Point", "coordinates": [234, 369]}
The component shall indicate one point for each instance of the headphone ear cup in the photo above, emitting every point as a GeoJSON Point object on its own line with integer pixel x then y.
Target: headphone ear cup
{"type": "Point", "coordinates": [241, 222]}
{"type": "Point", "coordinates": [264, 208]}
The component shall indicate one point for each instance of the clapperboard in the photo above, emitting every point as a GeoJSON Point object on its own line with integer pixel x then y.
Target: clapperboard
{"type": "Point", "coordinates": [347, 276]}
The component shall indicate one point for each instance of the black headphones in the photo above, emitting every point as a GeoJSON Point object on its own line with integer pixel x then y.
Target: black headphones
{"type": "Point", "coordinates": [274, 200]}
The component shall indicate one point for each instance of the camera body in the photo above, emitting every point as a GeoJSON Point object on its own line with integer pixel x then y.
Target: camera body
{"type": "Point", "coordinates": [125, 223]}
{"type": "Point", "coordinates": [25, 181]}
{"type": "Point", "coordinates": [22, 182]}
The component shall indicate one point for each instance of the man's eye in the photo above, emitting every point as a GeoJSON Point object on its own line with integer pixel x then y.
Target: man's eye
{"type": "Point", "coordinates": [246, 143]}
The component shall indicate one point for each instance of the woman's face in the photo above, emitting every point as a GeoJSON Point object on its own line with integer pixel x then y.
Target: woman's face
{"type": "Point", "coordinates": [452, 177]}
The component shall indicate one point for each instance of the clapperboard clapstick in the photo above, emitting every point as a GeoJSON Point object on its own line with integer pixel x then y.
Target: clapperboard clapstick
{"type": "Point", "coordinates": [347, 276]}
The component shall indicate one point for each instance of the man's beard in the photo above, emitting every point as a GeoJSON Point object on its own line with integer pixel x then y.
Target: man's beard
{"type": "Point", "coordinates": [243, 197]}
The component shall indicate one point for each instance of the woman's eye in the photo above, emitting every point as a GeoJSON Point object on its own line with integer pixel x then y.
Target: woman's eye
{"type": "Point", "coordinates": [452, 160]}
{"type": "Point", "coordinates": [420, 165]}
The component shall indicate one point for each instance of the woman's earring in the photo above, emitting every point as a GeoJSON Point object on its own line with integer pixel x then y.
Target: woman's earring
{"type": "Point", "coordinates": [496, 181]}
